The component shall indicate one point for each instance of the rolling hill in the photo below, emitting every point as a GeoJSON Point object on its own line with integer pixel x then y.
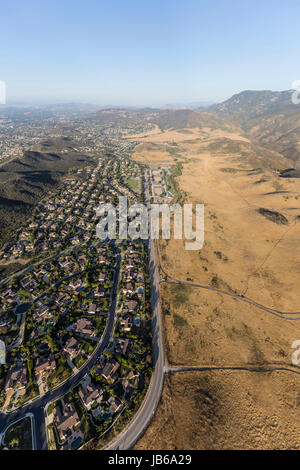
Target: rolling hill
{"type": "Point", "coordinates": [25, 180]}
{"type": "Point", "coordinates": [268, 117]}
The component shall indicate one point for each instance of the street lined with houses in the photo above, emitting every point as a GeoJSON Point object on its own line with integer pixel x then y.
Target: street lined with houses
{"type": "Point", "coordinates": [80, 353]}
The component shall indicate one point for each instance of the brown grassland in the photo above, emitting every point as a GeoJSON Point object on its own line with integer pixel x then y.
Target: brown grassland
{"type": "Point", "coordinates": [245, 252]}
{"type": "Point", "coordinates": [226, 410]}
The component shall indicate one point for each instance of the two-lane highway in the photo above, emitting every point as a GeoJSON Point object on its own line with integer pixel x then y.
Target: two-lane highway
{"type": "Point", "coordinates": [129, 436]}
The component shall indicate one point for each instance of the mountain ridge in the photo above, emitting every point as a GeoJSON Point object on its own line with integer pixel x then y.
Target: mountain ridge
{"type": "Point", "coordinates": [269, 117]}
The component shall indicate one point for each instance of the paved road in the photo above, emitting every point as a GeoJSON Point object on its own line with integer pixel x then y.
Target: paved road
{"type": "Point", "coordinates": [127, 438]}
{"type": "Point", "coordinates": [37, 406]}
{"type": "Point", "coordinates": [20, 337]}
{"type": "Point", "coordinates": [135, 429]}
{"type": "Point", "coordinates": [38, 263]}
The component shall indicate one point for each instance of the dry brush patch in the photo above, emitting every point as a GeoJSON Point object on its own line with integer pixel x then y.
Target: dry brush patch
{"type": "Point", "coordinates": [250, 253]}
{"type": "Point", "coordinates": [211, 329]}
{"type": "Point", "coordinates": [226, 410]}
{"type": "Point", "coordinates": [244, 253]}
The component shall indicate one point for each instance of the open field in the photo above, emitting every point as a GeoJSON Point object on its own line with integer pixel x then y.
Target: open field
{"type": "Point", "coordinates": [244, 249]}
{"type": "Point", "coordinates": [205, 328]}
{"type": "Point", "coordinates": [164, 147]}
{"type": "Point", "coordinates": [182, 135]}
{"type": "Point", "coordinates": [245, 253]}
{"type": "Point", "coordinates": [153, 153]}
{"type": "Point", "coordinates": [167, 146]}
{"type": "Point", "coordinates": [252, 229]}
{"type": "Point", "coordinates": [226, 410]}
{"type": "Point", "coordinates": [249, 252]}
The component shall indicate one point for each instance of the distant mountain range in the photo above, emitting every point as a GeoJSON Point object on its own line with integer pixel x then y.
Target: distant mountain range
{"type": "Point", "coordinates": [164, 119]}
{"type": "Point", "coordinates": [270, 117]}
{"type": "Point", "coordinates": [249, 104]}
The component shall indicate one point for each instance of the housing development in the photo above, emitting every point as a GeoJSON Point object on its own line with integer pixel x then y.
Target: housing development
{"type": "Point", "coordinates": [76, 321]}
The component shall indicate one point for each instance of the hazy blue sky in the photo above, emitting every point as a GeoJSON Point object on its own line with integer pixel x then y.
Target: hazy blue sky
{"type": "Point", "coordinates": [146, 51]}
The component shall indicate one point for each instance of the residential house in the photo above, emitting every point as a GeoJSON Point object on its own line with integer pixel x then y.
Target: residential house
{"type": "Point", "coordinates": [121, 345]}
{"type": "Point", "coordinates": [16, 378]}
{"type": "Point", "coordinates": [44, 367]}
{"type": "Point", "coordinates": [62, 298]}
{"type": "Point", "coordinates": [92, 309]}
{"type": "Point", "coordinates": [99, 292]}
{"type": "Point", "coordinates": [75, 284]}
{"type": "Point", "coordinates": [110, 369]}
{"type": "Point", "coordinates": [115, 405]}
{"type": "Point", "coordinates": [131, 306]}
{"type": "Point", "coordinates": [66, 422]}
{"type": "Point", "coordinates": [126, 323]}
{"type": "Point", "coordinates": [72, 348]}
{"type": "Point", "coordinates": [128, 288]}
{"type": "Point", "coordinates": [90, 394]}
{"type": "Point", "coordinates": [84, 327]}
{"type": "Point", "coordinates": [102, 277]}
{"type": "Point", "coordinates": [43, 311]}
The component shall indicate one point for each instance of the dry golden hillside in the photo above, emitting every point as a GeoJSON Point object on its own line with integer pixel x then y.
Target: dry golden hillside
{"type": "Point", "coordinates": [252, 228]}
{"type": "Point", "coordinates": [226, 410]}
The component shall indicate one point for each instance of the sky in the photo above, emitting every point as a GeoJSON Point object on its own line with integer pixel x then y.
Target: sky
{"type": "Point", "coordinates": [146, 52]}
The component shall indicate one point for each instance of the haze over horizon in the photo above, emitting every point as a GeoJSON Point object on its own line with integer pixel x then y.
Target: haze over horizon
{"type": "Point", "coordinates": [123, 54]}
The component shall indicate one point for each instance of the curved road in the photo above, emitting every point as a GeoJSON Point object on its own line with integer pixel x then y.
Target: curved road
{"type": "Point", "coordinates": [137, 426]}
{"type": "Point", "coordinates": [37, 406]}
{"type": "Point", "coordinates": [133, 431]}
{"type": "Point", "coordinates": [129, 436]}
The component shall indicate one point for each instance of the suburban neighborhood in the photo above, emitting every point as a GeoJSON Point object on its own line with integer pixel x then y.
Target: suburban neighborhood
{"type": "Point", "coordinates": [55, 312]}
